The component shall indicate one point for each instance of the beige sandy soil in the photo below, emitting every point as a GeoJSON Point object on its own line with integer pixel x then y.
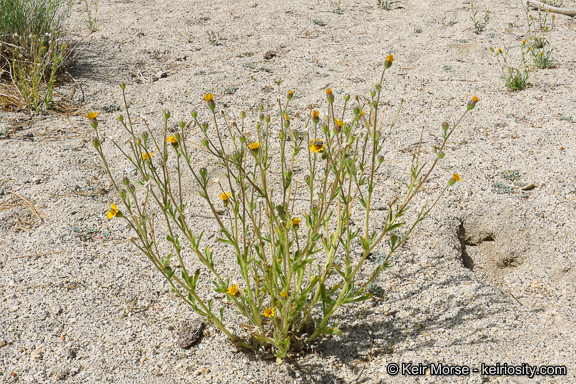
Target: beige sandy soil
{"type": "Point", "coordinates": [488, 278]}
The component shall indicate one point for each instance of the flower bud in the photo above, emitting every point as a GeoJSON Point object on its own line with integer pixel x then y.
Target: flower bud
{"type": "Point", "coordinates": [262, 117]}
{"type": "Point", "coordinates": [95, 142]}
{"type": "Point", "coordinates": [372, 93]}
{"type": "Point", "coordinates": [267, 118]}
{"type": "Point", "coordinates": [441, 155]}
{"type": "Point", "coordinates": [290, 95]}
{"type": "Point", "coordinates": [378, 87]}
{"type": "Point", "coordinates": [166, 114]}
{"type": "Point", "coordinates": [346, 97]}
{"type": "Point", "coordinates": [194, 114]}
{"type": "Point", "coordinates": [205, 142]}
{"type": "Point", "coordinates": [121, 118]}
{"type": "Point", "coordinates": [125, 181]}
{"type": "Point", "coordinates": [307, 179]}
{"type": "Point", "coordinates": [205, 126]}
{"type": "Point", "coordinates": [325, 129]}
{"type": "Point", "coordinates": [123, 86]}
{"type": "Point", "coordinates": [131, 187]}
{"type": "Point", "coordinates": [281, 134]}
{"type": "Point", "coordinates": [315, 116]}
{"type": "Point", "coordinates": [472, 103]}
{"type": "Point", "coordinates": [181, 124]}
{"type": "Point", "coordinates": [330, 95]}
{"type": "Point", "coordinates": [453, 179]}
{"type": "Point", "coordinates": [356, 111]}
{"type": "Point", "coordinates": [445, 126]}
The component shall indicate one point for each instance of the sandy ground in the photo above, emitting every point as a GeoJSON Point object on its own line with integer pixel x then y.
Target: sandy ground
{"type": "Point", "coordinates": [488, 278]}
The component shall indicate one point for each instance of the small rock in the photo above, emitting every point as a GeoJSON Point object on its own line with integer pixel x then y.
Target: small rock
{"type": "Point", "coordinates": [60, 375]}
{"type": "Point", "coordinates": [270, 55]}
{"type": "Point", "coordinates": [190, 333]}
{"type": "Point", "coordinates": [72, 352]}
{"type": "Point", "coordinates": [529, 187]}
{"type": "Point", "coordinates": [160, 75]}
{"type": "Point", "coordinates": [170, 327]}
{"type": "Point", "coordinates": [3, 343]}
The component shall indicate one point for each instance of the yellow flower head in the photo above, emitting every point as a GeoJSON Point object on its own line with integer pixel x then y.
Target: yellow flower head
{"type": "Point", "coordinates": [339, 123]}
{"type": "Point", "coordinates": [499, 50]}
{"type": "Point", "coordinates": [171, 139]}
{"type": "Point", "coordinates": [92, 115]}
{"type": "Point", "coordinates": [225, 196]}
{"type": "Point", "coordinates": [284, 295]}
{"type": "Point", "coordinates": [209, 97]}
{"type": "Point", "coordinates": [254, 146]}
{"type": "Point", "coordinates": [456, 177]}
{"type": "Point", "coordinates": [296, 222]}
{"type": "Point", "coordinates": [147, 155]}
{"type": "Point", "coordinates": [315, 114]}
{"type": "Point", "coordinates": [475, 99]}
{"type": "Point", "coordinates": [523, 42]}
{"type": "Point", "coordinates": [269, 312]}
{"type": "Point", "coordinates": [317, 146]}
{"type": "Point", "coordinates": [290, 94]}
{"type": "Point", "coordinates": [112, 212]}
{"type": "Point", "coordinates": [233, 290]}
{"type": "Point", "coordinates": [389, 60]}
{"type": "Point", "coordinates": [328, 91]}
{"type": "Point", "coordinates": [63, 46]}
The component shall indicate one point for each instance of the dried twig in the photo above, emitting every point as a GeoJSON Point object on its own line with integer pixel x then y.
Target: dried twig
{"type": "Point", "coordinates": [546, 7]}
{"type": "Point", "coordinates": [38, 213]}
{"type": "Point", "coordinates": [36, 254]}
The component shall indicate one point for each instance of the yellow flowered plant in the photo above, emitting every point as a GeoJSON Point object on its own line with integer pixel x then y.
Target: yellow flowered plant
{"type": "Point", "coordinates": [232, 290]}
{"type": "Point", "coordinates": [147, 155]}
{"type": "Point", "coordinates": [113, 212]}
{"type": "Point", "coordinates": [269, 312]}
{"type": "Point", "coordinates": [270, 177]}
{"type": "Point", "coordinates": [296, 222]}
{"type": "Point", "coordinates": [92, 115]}
{"type": "Point", "coordinates": [317, 146]}
{"type": "Point", "coordinates": [225, 196]}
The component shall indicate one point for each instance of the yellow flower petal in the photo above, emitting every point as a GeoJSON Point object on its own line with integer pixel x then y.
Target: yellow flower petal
{"type": "Point", "coordinates": [92, 115]}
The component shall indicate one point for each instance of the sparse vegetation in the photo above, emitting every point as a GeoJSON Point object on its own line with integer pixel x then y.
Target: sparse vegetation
{"type": "Point", "coordinates": [479, 23]}
{"type": "Point", "coordinates": [292, 234]}
{"type": "Point", "coordinates": [540, 30]}
{"type": "Point", "coordinates": [515, 76]}
{"type": "Point", "coordinates": [91, 17]}
{"type": "Point", "coordinates": [385, 5]}
{"type": "Point", "coordinates": [32, 51]}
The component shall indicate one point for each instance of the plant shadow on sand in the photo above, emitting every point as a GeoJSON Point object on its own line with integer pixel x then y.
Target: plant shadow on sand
{"type": "Point", "coordinates": [371, 339]}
